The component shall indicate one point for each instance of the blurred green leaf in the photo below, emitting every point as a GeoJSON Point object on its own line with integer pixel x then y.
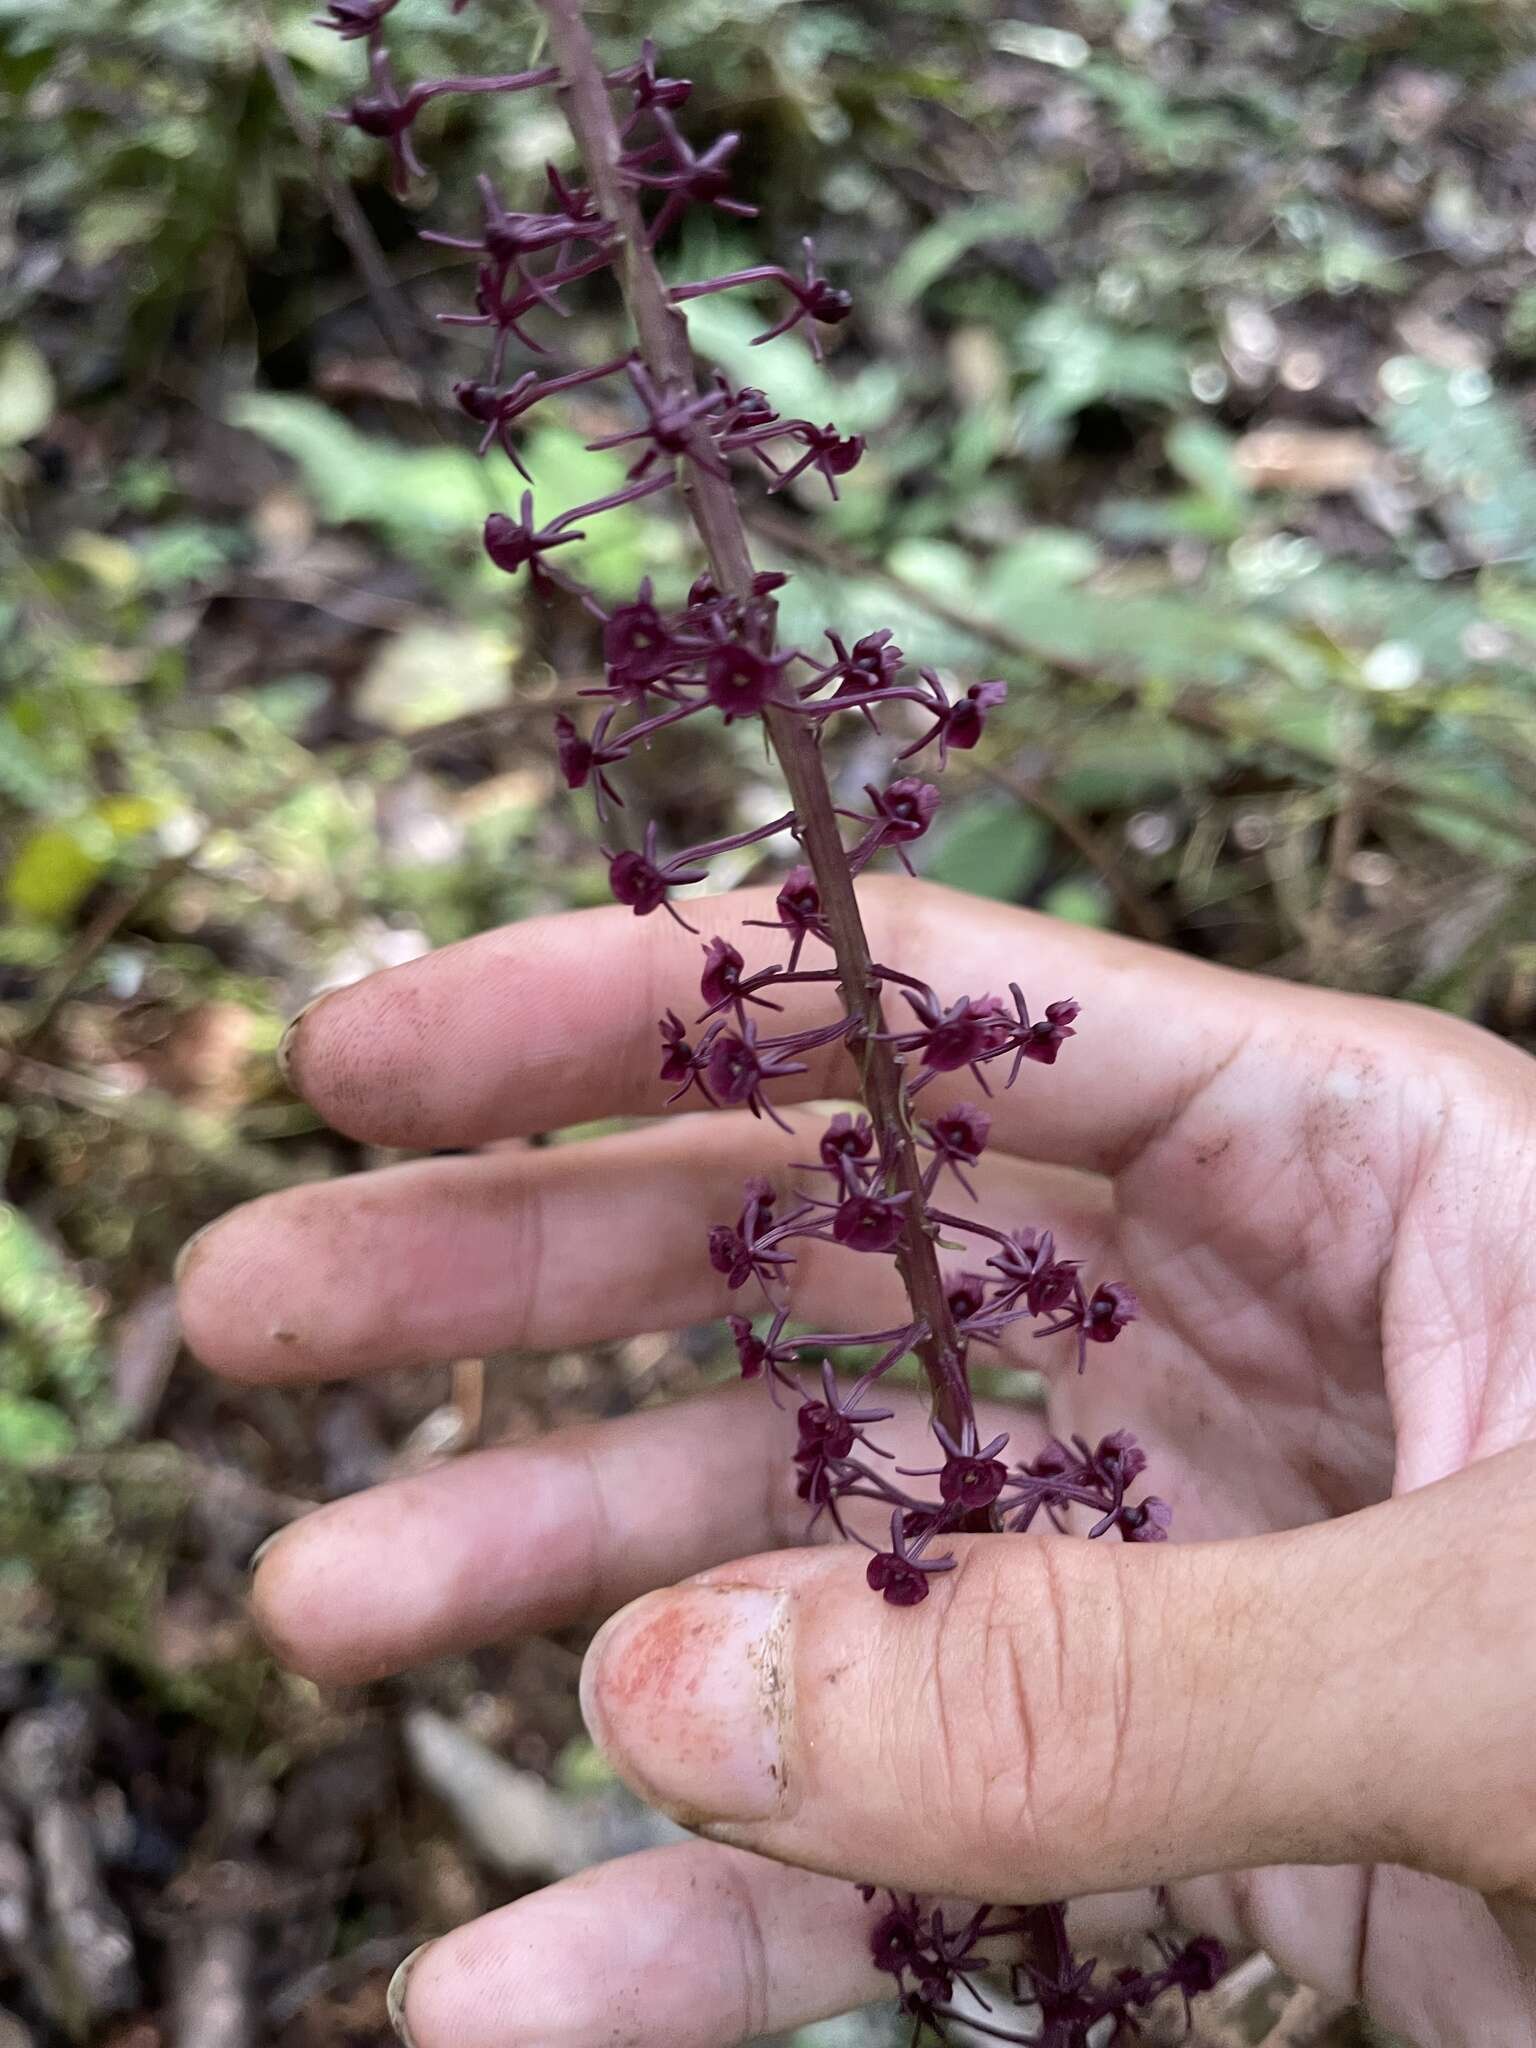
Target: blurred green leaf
{"type": "Point", "coordinates": [1079, 360]}
{"type": "Point", "coordinates": [53, 870]}
{"type": "Point", "coordinates": [996, 847]}
{"type": "Point", "coordinates": [32, 1432]}
{"type": "Point", "coordinates": [1470, 444]}
{"type": "Point", "coordinates": [953, 235]}
{"type": "Point", "coordinates": [1077, 902]}
{"type": "Point", "coordinates": [26, 390]}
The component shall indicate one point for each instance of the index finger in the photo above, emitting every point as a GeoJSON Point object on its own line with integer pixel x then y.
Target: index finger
{"type": "Point", "coordinates": [553, 1022]}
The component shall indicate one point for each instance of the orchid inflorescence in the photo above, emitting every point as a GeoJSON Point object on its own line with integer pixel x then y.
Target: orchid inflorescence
{"type": "Point", "coordinates": [872, 1189]}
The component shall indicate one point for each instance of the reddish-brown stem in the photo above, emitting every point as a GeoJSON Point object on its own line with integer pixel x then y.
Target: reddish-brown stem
{"type": "Point", "coordinates": [663, 338]}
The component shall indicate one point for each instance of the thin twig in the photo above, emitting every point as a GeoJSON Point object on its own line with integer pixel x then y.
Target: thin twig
{"type": "Point", "coordinates": [400, 333]}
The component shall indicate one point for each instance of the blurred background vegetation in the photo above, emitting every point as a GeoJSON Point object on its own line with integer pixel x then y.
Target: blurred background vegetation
{"type": "Point", "coordinates": [1196, 345]}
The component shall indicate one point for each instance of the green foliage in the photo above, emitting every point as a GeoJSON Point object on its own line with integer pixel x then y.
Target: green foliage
{"type": "Point", "coordinates": [1470, 445]}
{"type": "Point", "coordinates": [995, 847]}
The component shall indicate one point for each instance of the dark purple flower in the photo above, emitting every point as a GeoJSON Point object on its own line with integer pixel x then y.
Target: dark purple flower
{"type": "Point", "coordinates": [740, 682]}
{"type": "Point", "coordinates": [687, 176]}
{"type": "Point", "coordinates": [1117, 1460]}
{"type": "Point", "coordinates": [515, 544]}
{"type": "Point", "coordinates": [902, 1573]}
{"type": "Point", "coordinates": [1030, 1271]}
{"type": "Point", "coordinates": [873, 664]}
{"type": "Point", "coordinates": [1110, 1307]}
{"type": "Point", "coordinates": [643, 880]}
{"type": "Point", "coordinates": [636, 879]}
{"type": "Point", "coordinates": [738, 1066]}
{"type": "Point", "coordinates": [966, 1294]}
{"type": "Point", "coordinates": [846, 1138]}
{"type": "Point", "coordinates": [800, 913]}
{"type": "Point", "coordinates": [673, 420]}
{"type": "Point", "coordinates": [825, 1430]}
{"type": "Point", "coordinates": [870, 1223]}
{"type": "Point", "coordinates": [973, 1481]}
{"type": "Point", "coordinates": [957, 1138]}
{"type": "Point", "coordinates": [1043, 1039]}
{"type": "Point", "coordinates": [750, 1348]}
{"type": "Point", "coordinates": [679, 1061]}
{"type": "Point", "coordinates": [386, 113]}
{"type": "Point", "coordinates": [745, 1249]}
{"type": "Point", "coordinates": [972, 1475]}
{"type": "Point", "coordinates": [816, 298]}
{"type": "Point", "coordinates": [969, 1031]}
{"type": "Point", "coordinates": [894, 1941]}
{"type": "Point", "coordinates": [639, 647]}
{"type": "Point", "coordinates": [1097, 1318]}
{"type": "Point", "coordinates": [901, 813]}
{"type": "Point", "coordinates": [958, 724]}
{"type": "Point", "coordinates": [902, 1582]}
{"type": "Point", "coordinates": [583, 760]}
{"type": "Point", "coordinates": [1146, 1522]}
{"type": "Point", "coordinates": [827, 451]}
{"type": "Point", "coordinates": [649, 89]}
{"type": "Point", "coordinates": [723, 969]}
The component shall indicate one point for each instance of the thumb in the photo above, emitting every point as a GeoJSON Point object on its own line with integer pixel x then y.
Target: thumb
{"type": "Point", "coordinates": [1062, 1717]}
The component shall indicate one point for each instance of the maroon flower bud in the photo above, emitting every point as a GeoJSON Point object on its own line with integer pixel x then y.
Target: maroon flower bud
{"type": "Point", "coordinates": [826, 450]}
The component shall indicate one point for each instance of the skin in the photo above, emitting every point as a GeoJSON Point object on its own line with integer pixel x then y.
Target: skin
{"type": "Point", "coordinates": [1311, 1717]}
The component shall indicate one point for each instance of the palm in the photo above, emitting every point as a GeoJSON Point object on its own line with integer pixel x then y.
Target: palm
{"type": "Point", "coordinates": [1320, 1202]}
{"type": "Point", "coordinates": [1324, 1266]}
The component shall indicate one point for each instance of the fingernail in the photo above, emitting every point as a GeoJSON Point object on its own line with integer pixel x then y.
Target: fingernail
{"type": "Point", "coordinates": [183, 1257]}
{"type": "Point", "coordinates": [289, 1040]}
{"type": "Point", "coordinates": [685, 1693]}
{"type": "Point", "coordinates": [394, 1997]}
{"type": "Point", "coordinates": [260, 1552]}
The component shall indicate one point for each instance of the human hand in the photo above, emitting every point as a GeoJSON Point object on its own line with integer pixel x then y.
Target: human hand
{"type": "Point", "coordinates": [1322, 1695]}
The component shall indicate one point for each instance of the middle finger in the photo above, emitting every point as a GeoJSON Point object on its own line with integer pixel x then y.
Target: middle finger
{"type": "Point", "coordinates": [518, 1249]}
